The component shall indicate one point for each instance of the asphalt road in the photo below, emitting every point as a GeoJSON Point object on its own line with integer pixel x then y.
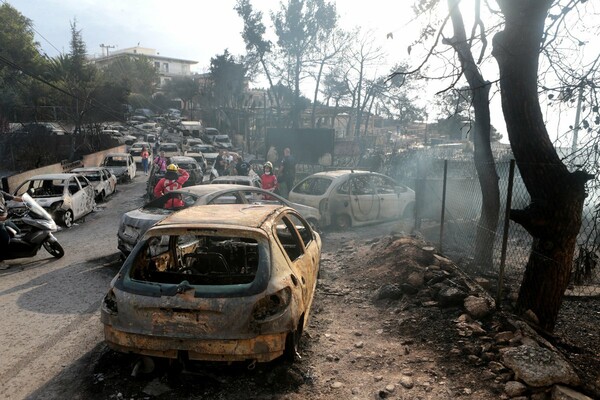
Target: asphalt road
{"type": "Point", "coordinates": [49, 308]}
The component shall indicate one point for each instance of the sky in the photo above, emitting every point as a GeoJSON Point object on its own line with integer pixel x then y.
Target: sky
{"type": "Point", "coordinates": [201, 29]}
{"type": "Point", "coordinates": [188, 29]}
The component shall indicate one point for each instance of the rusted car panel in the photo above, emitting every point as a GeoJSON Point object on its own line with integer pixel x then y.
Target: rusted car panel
{"type": "Point", "coordinates": [229, 283]}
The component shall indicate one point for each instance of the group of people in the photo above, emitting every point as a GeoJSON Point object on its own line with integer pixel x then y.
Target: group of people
{"type": "Point", "coordinates": [286, 173]}
{"type": "Point", "coordinates": [175, 177]}
{"type": "Point", "coordinates": [226, 164]}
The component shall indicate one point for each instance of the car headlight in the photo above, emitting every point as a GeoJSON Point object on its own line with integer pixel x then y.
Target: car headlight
{"type": "Point", "coordinates": [272, 305]}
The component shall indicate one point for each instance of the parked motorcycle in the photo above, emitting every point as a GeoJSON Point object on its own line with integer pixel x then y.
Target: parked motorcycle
{"type": "Point", "coordinates": [35, 230]}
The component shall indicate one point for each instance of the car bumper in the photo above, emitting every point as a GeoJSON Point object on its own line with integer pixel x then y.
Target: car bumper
{"type": "Point", "coordinates": [124, 246]}
{"type": "Point", "coordinates": [262, 348]}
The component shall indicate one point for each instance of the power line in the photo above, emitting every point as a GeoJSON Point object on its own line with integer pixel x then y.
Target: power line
{"type": "Point", "coordinates": [39, 34]}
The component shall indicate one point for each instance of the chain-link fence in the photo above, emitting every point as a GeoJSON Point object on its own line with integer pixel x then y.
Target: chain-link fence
{"type": "Point", "coordinates": [452, 183]}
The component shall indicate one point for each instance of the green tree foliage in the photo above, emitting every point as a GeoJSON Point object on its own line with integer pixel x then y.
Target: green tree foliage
{"type": "Point", "coordinates": [228, 77]}
{"type": "Point", "coordinates": [18, 52]}
{"type": "Point", "coordinates": [301, 26]}
{"type": "Point", "coordinates": [135, 73]}
{"type": "Point", "coordinates": [184, 88]}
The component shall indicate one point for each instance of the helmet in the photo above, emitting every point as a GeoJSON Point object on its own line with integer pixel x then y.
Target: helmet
{"type": "Point", "coordinates": [268, 165]}
{"type": "Point", "coordinates": [172, 167]}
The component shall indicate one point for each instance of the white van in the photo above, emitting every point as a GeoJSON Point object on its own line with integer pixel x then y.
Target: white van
{"type": "Point", "coordinates": [192, 128]}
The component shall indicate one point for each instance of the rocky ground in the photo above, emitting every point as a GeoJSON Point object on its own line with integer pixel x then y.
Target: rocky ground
{"type": "Point", "coordinates": [391, 319]}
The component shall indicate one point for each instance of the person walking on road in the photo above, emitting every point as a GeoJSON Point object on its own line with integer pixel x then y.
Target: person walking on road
{"type": "Point", "coordinates": [145, 154]}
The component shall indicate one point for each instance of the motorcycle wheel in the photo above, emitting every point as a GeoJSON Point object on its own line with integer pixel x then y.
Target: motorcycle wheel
{"type": "Point", "coordinates": [54, 248]}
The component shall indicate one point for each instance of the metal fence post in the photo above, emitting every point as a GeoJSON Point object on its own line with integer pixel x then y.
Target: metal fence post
{"type": "Point", "coordinates": [443, 206]}
{"type": "Point", "coordinates": [511, 175]}
{"type": "Point", "coordinates": [419, 194]}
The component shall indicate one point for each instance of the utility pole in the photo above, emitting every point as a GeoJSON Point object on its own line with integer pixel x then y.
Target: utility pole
{"type": "Point", "coordinates": [577, 116]}
{"type": "Point", "coordinates": [107, 47]}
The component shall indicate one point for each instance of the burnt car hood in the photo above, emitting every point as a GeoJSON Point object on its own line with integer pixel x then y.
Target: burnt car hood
{"type": "Point", "coordinates": [46, 202]}
{"type": "Point", "coordinates": [117, 170]}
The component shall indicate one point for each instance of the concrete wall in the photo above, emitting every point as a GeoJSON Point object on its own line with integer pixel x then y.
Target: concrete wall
{"type": "Point", "coordinates": [94, 159]}
{"type": "Point", "coordinates": [10, 183]}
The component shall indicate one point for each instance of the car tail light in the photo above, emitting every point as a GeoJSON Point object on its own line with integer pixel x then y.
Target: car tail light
{"type": "Point", "coordinates": [272, 305]}
{"type": "Point", "coordinates": [110, 303]}
{"type": "Point", "coordinates": [323, 206]}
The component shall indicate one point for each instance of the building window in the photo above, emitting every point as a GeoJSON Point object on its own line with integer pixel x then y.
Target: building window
{"type": "Point", "coordinates": [157, 64]}
{"type": "Point", "coordinates": [166, 67]}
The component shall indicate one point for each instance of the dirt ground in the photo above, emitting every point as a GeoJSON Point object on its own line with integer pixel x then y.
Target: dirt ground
{"type": "Point", "coordinates": [359, 344]}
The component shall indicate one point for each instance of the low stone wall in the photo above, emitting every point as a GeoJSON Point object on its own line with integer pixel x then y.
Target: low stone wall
{"type": "Point", "coordinates": [10, 183]}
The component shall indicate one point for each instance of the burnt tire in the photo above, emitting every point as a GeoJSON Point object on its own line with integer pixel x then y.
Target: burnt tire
{"type": "Point", "coordinates": [343, 221]}
{"type": "Point", "coordinates": [292, 343]}
{"type": "Point", "coordinates": [66, 218]}
{"type": "Point", "coordinates": [54, 248]}
{"type": "Point", "coordinates": [101, 197]}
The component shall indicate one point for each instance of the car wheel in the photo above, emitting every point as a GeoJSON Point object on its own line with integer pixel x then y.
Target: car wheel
{"type": "Point", "coordinates": [343, 221]}
{"type": "Point", "coordinates": [66, 218]}
{"type": "Point", "coordinates": [54, 248]}
{"type": "Point", "coordinates": [101, 196]}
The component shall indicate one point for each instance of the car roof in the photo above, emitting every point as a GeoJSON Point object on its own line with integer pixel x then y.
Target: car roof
{"type": "Point", "coordinates": [53, 176]}
{"type": "Point", "coordinates": [340, 172]}
{"type": "Point", "coordinates": [88, 169]}
{"type": "Point", "coordinates": [182, 159]}
{"type": "Point", "coordinates": [201, 190]}
{"type": "Point", "coordinates": [234, 178]}
{"type": "Point", "coordinates": [117, 155]}
{"type": "Point", "coordinates": [249, 215]}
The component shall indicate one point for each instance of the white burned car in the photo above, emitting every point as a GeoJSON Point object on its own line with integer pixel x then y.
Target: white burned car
{"type": "Point", "coordinates": [120, 164]}
{"type": "Point", "coordinates": [67, 197]}
{"type": "Point", "coordinates": [103, 181]}
{"type": "Point", "coordinates": [349, 198]}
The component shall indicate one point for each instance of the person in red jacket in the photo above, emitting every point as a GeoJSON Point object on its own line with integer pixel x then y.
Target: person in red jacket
{"type": "Point", "coordinates": [268, 180]}
{"type": "Point", "coordinates": [174, 179]}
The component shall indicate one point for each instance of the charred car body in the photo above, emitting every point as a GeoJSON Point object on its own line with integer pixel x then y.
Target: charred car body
{"type": "Point", "coordinates": [216, 283]}
{"type": "Point", "coordinates": [136, 222]}
{"type": "Point", "coordinates": [348, 198]}
{"type": "Point", "coordinates": [66, 197]}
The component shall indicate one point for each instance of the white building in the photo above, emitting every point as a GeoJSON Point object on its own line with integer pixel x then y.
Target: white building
{"type": "Point", "coordinates": [167, 67]}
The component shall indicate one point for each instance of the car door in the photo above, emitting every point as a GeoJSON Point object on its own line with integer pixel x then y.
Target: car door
{"type": "Point", "coordinates": [111, 181]}
{"type": "Point", "coordinates": [88, 194]}
{"type": "Point", "coordinates": [389, 198]}
{"type": "Point", "coordinates": [131, 167]}
{"type": "Point", "coordinates": [299, 244]}
{"type": "Point", "coordinates": [364, 202]}
{"type": "Point", "coordinates": [77, 196]}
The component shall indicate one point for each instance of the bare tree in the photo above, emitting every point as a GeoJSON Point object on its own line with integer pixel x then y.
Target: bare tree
{"type": "Point", "coordinates": [554, 216]}
{"type": "Point", "coordinates": [484, 159]}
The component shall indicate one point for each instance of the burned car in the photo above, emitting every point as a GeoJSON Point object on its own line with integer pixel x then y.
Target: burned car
{"type": "Point", "coordinates": [216, 283]}
{"type": "Point", "coordinates": [191, 166]}
{"type": "Point", "coordinates": [103, 181]}
{"type": "Point", "coordinates": [120, 164]}
{"type": "Point", "coordinates": [66, 197]}
{"type": "Point", "coordinates": [136, 222]}
{"type": "Point", "coordinates": [348, 198]}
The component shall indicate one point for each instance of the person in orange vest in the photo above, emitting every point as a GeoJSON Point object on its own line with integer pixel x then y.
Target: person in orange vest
{"type": "Point", "coordinates": [174, 179]}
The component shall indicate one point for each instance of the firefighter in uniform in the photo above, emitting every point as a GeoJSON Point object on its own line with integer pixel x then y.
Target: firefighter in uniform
{"type": "Point", "coordinates": [174, 179]}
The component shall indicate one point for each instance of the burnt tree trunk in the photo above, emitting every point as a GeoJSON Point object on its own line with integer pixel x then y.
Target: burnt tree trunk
{"type": "Point", "coordinates": [554, 216]}
{"type": "Point", "coordinates": [484, 159]}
